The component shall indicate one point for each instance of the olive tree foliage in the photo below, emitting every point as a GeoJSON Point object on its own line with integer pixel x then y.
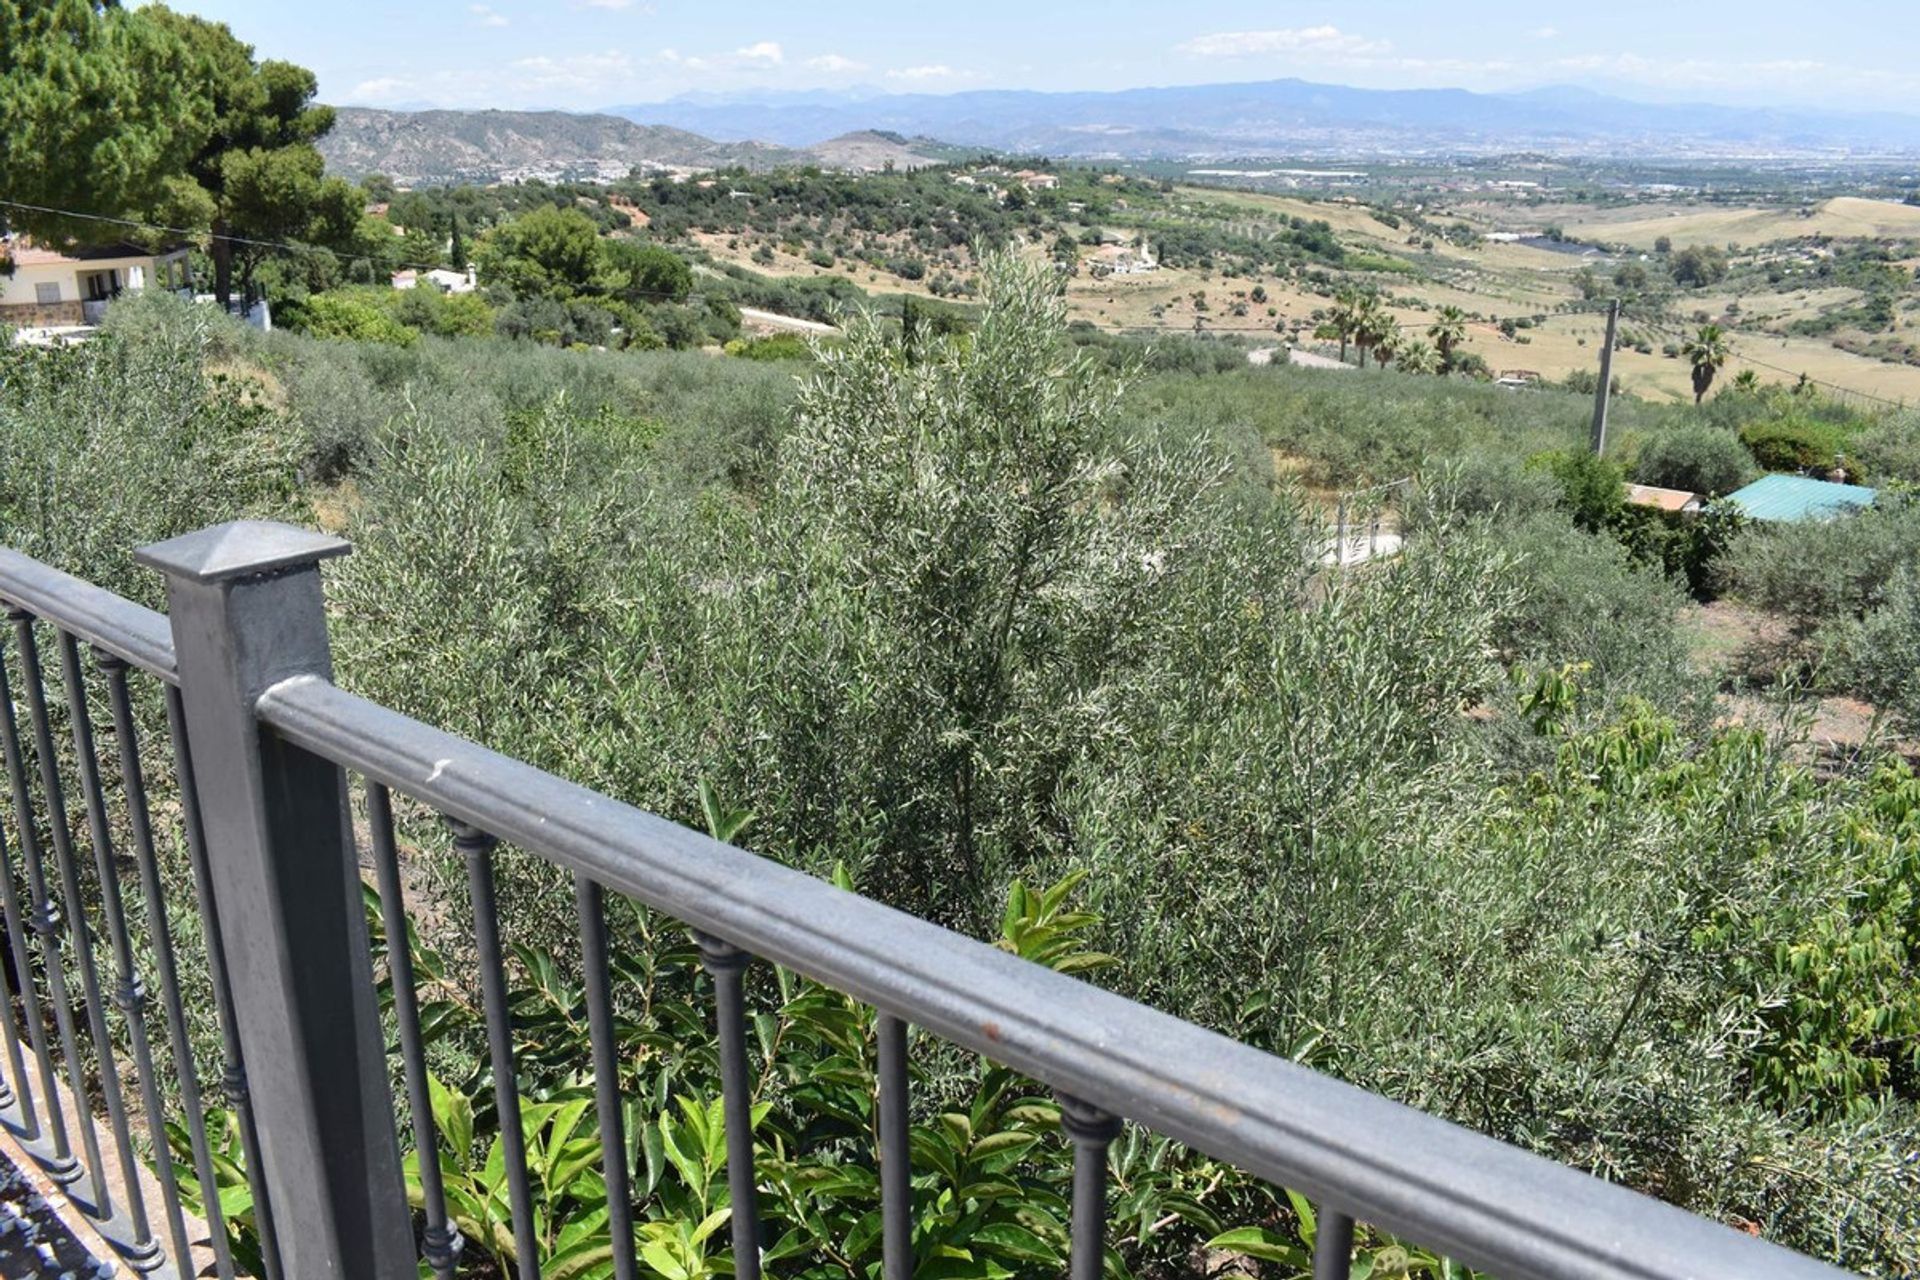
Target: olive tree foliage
{"type": "Point", "coordinates": [1442, 826]}
{"type": "Point", "coordinates": [1880, 654]}
{"type": "Point", "coordinates": [1014, 551]}
{"type": "Point", "coordinates": [1699, 459]}
{"type": "Point", "coordinates": [1823, 573]}
{"type": "Point", "coordinates": [895, 656]}
{"type": "Point", "coordinates": [128, 440]}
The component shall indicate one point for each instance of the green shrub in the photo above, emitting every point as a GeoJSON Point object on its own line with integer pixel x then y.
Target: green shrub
{"type": "Point", "coordinates": [1699, 459]}
{"type": "Point", "coordinates": [783, 346]}
{"type": "Point", "coordinates": [1880, 654]}
{"type": "Point", "coordinates": [1586, 601]}
{"type": "Point", "coordinates": [1497, 486]}
{"type": "Point", "coordinates": [129, 439]}
{"type": "Point", "coordinates": [1889, 449]}
{"type": "Point", "coordinates": [1591, 488]}
{"type": "Point", "coordinates": [448, 315]}
{"type": "Point", "coordinates": [348, 316]}
{"type": "Point", "coordinates": [1823, 572]}
{"type": "Point", "coordinates": [1794, 443]}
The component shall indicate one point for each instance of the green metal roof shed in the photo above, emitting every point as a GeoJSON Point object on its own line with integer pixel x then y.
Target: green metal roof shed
{"type": "Point", "coordinates": [1795, 498]}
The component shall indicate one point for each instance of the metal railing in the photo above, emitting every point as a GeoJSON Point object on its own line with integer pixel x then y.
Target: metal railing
{"type": "Point", "coordinates": [263, 743]}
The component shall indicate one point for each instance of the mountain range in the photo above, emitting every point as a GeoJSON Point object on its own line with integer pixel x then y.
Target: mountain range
{"type": "Point", "coordinates": [1290, 118]}
{"type": "Point", "coordinates": [869, 129]}
{"type": "Point", "coordinates": [416, 147]}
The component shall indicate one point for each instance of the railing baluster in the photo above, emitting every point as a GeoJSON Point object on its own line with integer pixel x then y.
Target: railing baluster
{"type": "Point", "coordinates": [896, 1169]}
{"type": "Point", "coordinates": [589, 903]}
{"type": "Point", "coordinates": [20, 1087]}
{"type": "Point", "coordinates": [127, 995]}
{"type": "Point", "coordinates": [440, 1245]}
{"type": "Point", "coordinates": [46, 915]}
{"type": "Point", "coordinates": [22, 967]}
{"type": "Point", "coordinates": [233, 1067]}
{"type": "Point", "coordinates": [160, 939]}
{"type": "Point", "coordinates": [1332, 1245]}
{"type": "Point", "coordinates": [1092, 1132]}
{"type": "Point", "coordinates": [727, 964]}
{"type": "Point", "coordinates": [65, 1168]}
{"type": "Point", "coordinates": [478, 848]}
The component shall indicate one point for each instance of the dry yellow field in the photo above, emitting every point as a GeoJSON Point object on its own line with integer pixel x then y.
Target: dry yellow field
{"type": "Point", "coordinates": [1842, 216]}
{"type": "Point", "coordinates": [1491, 279]}
{"type": "Point", "coordinates": [1556, 348]}
{"type": "Point", "coordinates": [1350, 220]}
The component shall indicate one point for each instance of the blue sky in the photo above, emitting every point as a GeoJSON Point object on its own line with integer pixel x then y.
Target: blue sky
{"type": "Point", "coordinates": [584, 54]}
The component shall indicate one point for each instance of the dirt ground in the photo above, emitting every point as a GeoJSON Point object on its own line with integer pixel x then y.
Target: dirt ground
{"type": "Point", "coordinates": [1743, 647]}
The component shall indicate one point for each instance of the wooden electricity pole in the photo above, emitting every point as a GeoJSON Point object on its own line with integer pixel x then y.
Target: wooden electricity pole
{"type": "Point", "coordinates": [1605, 389]}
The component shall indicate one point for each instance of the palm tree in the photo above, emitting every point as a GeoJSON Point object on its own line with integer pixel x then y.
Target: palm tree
{"type": "Point", "coordinates": [1343, 320]}
{"type": "Point", "coordinates": [1417, 357]}
{"type": "Point", "coordinates": [1706, 351]}
{"type": "Point", "coordinates": [1747, 382]}
{"type": "Point", "coordinates": [1448, 331]}
{"type": "Point", "coordinates": [1376, 331]}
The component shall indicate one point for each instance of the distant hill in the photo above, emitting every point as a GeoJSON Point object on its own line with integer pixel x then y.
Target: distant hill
{"type": "Point", "coordinates": [1292, 117]}
{"type": "Point", "coordinates": [870, 149]}
{"type": "Point", "coordinates": [415, 147]}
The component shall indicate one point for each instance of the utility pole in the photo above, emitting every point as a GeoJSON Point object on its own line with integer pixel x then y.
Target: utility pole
{"type": "Point", "coordinates": [1605, 389]}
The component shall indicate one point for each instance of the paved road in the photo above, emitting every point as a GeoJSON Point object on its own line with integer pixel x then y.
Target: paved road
{"type": "Point", "coordinates": [1301, 359]}
{"type": "Point", "coordinates": [792, 324]}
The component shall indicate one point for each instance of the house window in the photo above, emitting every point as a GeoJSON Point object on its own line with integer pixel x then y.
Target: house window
{"type": "Point", "coordinates": [47, 295]}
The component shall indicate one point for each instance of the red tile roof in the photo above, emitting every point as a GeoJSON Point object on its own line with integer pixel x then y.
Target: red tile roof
{"type": "Point", "coordinates": [1648, 495]}
{"type": "Point", "coordinates": [25, 253]}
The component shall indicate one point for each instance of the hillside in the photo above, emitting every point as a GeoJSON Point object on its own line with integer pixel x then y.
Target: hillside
{"type": "Point", "coordinates": [1292, 117]}
{"type": "Point", "coordinates": [868, 150]}
{"type": "Point", "coordinates": [415, 147]}
{"type": "Point", "coordinates": [1842, 217]}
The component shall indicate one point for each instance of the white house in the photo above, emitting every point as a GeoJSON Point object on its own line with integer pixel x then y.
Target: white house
{"type": "Point", "coordinates": [46, 289]}
{"type": "Point", "coordinates": [440, 278]}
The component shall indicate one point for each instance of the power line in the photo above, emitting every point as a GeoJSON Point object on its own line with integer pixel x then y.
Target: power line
{"type": "Point", "coordinates": [1665, 326]}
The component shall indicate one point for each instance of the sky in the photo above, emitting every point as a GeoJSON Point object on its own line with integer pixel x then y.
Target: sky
{"type": "Point", "coordinates": [588, 54]}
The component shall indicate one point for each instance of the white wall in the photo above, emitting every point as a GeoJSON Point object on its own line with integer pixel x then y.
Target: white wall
{"type": "Point", "coordinates": [17, 290]}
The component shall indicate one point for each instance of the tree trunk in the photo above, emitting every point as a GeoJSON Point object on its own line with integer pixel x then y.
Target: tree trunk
{"type": "Point", "coordinates": [221, 250]}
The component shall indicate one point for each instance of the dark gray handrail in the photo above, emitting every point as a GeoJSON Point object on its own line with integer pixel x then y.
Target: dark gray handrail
{"type": "Point", "coordinates": [133, 633]}
{"type": "Point", "coordinates": [1489, 1204]}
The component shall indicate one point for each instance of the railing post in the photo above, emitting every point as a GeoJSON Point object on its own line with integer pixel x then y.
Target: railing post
{"type": "Point", "coordinates": [245, 605]}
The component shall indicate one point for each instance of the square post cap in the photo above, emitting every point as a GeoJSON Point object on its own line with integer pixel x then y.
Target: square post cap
{"type": "Point", "coordinates": [240, 549]}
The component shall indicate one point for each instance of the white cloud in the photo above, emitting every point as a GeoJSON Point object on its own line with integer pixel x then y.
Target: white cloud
{"type": "Point", "coordinates": [921, 75]}
{"type": "Point", "coordinates": [380, 89]}
{"type": "Point", "coordinates": [1545, 33]}
{"type": "Point", "coordinates": [1251, 44]}
{"type": "Point", "coordinates": [586, 73]}
{"type": "Point", "coordinates": [835, 63]}
{"type": "Point", "coordinates": [764, 51]}
{"type": "Point", "coordinates": [487, 17]}
{"type": "Point", "coordinates": [610, 4]}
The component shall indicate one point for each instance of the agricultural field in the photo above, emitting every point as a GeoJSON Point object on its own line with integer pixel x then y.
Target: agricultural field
{"type": "Point", "coordinates": [1804, 280]}
{"type": "Point", "coordinates": [1841, 218]}
{"type": "Point", "coordinates": [1791, 285]}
